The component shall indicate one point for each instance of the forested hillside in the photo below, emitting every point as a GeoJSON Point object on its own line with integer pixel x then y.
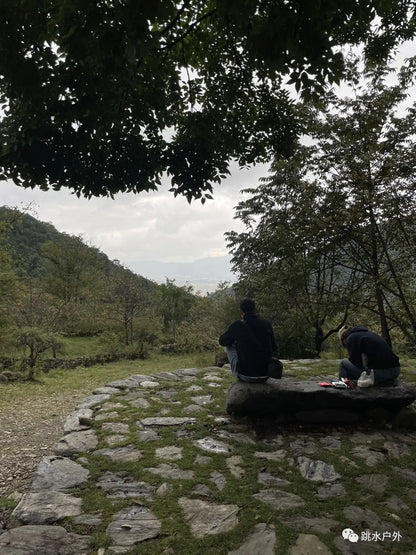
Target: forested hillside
{"type": "Point", "coordinates": [27, 238]}
{"type": "Point", "coordinates": [54, 286]}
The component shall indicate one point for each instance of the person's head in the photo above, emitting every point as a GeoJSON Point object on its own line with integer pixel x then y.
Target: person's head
{"type": "Point", "coordinates": [343, 334]}
{"type": "Point", "coordinates": [247, 306]}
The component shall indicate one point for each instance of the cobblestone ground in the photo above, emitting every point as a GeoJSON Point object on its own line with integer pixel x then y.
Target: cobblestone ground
{"type": "Point", "coordinates": [153, 464]}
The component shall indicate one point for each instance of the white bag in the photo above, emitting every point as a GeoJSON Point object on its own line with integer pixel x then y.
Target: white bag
{"type": "Point", "coordinates": [366, 380]}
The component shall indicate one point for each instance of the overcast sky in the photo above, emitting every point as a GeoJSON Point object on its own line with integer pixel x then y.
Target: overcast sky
{"type": "Point", "coordinates": [148, 226]}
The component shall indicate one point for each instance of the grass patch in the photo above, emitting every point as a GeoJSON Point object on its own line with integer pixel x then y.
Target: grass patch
{"type": "Point", "coordinates": [82, 346]}
{"type": "Point", "coordinates": [7, 503]}
{"type": "Point", "coordinates": [72, 385]}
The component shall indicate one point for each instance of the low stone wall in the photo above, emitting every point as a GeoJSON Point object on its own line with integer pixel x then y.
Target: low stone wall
{"type": "Point", "coordinates": [306, 401]}
{"type": "Point", "coordinates": [7, 374]}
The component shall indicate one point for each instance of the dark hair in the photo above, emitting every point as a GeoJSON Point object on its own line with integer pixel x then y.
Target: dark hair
{"type": "Point", "coordinates": [247, 305]}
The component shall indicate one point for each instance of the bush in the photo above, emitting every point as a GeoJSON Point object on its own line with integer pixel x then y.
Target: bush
{"type": "Point", "coordinates": [34, 342]}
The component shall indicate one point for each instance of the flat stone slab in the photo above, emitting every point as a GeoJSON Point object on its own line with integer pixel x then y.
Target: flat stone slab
{"type": "Point", "coordinates": [78, 420]}
{"type": "Point", "coordinates": [131, 526]}
{"type": "Point", "coordinates": [319, 525]}
{"type": "Point", "coordinates": [122, 485]}
{"type": "Point", "coordinates": [170, 452]}
{"type": "Point", "coordinates": [278, 499]}
{"type": "Point", "coordinates": [94, 400]}
{"type": "Point", "coordinates": [47, 540]}
{"type": "Point", "coordinates": [317, 471]}
{"type": "Point", "coordinates": [262, 541]}
{"type": "Point", "coordinates": [105, 390]}
{"type": "Point", "coordinates": [131, 382]}
{"type": "Point", "coordinates": [59, 474]}
{"type": "Point", "coordinates": [167, 421]}
{"type": "Point", "coordinates": [77, 442]}
{"type": "Point", "coordinates": [129, 453]}
{"type": "Point", "coordinates": [46, 507]}
{"type": "Point", "coordinates": [208, 518]}
{"type": "Point", "coordinates": [172, 472]}
{"type": "Point", "coordinates": [277, 397]}
{"type": "Point", "coordinates": [213, 446]}
{"type": "Point", "coordinates": [309, 543]}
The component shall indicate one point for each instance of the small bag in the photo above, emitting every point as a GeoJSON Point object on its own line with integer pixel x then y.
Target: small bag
{"type": "Point", "coordinates": [366, 380]}
{"type": "Point", "coordinates": [274, 368]}
{"type": "Point", "coordinates": [367, 377]}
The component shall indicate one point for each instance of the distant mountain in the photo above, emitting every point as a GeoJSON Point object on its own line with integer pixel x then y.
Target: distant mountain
{"type": "Point", "coordinates": [204, 274]}
{"type": "Point", "coordinates": [26, 238]}
{"type": "Point", "coordinates": [29, 234]}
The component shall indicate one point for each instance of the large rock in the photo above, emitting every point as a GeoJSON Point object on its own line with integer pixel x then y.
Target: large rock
{"type": "Point", "coordinates": [299, 399]}
{"type": "Point", "coordinates": [59, 474]}
{"type": "Point", "coordinates": [208, 518]}
{"type": "Point", "coordinates": [46, 507]}
{"type": "Point", "coordinates": [45, 540]}
{"type": "Point", "coordinates": [132, 526]}
{"type": "Point", "coordinates": [77, 442]}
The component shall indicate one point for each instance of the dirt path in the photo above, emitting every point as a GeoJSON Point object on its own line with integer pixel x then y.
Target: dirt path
{"type": "Point", "coordinates": [28, 432]}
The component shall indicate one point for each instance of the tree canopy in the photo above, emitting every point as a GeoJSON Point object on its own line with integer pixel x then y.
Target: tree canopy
{"type": "Point", "coordinates": [331, 233]}
{"type": "Point", "coordinates": [107, 96]}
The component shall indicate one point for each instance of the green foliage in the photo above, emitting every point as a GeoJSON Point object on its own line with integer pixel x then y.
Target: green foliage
{"type": "Point", "coordinates": [197, 332]}
{"type": "Point", "coordinates": [34, 342]}
{"type": "Point", "coordinates": [147, 334]}
{"type": "Point", "coordinates": [110, 342]}
{"type": "Point", "coordinates": [7, 503]}
{"type": "Point", "coordinates": [175, 305]}
{"type": "Point", "coordinates": [8, 279]}
{"type": "Point", "coordinates": [90, 89]}
{"type": "Point", "coordinates": [71, 268]}
{"type": "Point", "coordinates": [26, 237]}
{"type": "Point", "coordinates": [76, 291]}
{"type": "Point", "coordinates": [330, 235]}
{"type": "Point", "coordinates": [59, 283]}
{"type": "Point", "coordinates": [128, 297]}
{"type": "Point", "coordinates": [224, 307]}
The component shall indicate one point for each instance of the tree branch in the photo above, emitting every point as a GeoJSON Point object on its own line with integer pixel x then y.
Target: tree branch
{"type": "Point", "coordinates": [189, 30]}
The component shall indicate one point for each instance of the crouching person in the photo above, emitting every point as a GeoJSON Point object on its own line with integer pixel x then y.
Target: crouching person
{"type": "Point", "coordinates": [367, 351]}
{"type": "Point", "coordinates": [249, 344]}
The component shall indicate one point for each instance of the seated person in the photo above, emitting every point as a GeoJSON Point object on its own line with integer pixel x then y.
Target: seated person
{"type": "Point", "coordinates": [367, 351]}
{"type": "Point", "coordinates": [250, 344]}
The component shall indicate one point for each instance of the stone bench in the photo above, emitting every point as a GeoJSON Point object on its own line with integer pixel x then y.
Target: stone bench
{"type": "Point", "coordinates": [308, 402]}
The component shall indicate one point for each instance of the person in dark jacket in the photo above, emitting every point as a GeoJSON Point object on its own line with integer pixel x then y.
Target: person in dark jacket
{"type": "Point", "coordinates": [249, 344]}
{"type": "Point", "coordinates": [366, 351]}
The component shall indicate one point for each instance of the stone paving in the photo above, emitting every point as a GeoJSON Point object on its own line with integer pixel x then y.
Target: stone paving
{"type": "Point", "coordinates": [153, 464]}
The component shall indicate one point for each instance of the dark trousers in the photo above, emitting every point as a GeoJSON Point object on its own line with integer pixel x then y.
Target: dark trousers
{"type": "Point", "coordinates": [233, 360]}
{"type": "Point", "coordinates": [348, 370]}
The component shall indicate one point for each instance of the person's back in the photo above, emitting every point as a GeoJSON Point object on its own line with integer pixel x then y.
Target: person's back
{"type": "Point", "coordinates": [250, 344]}
{"type": "Point", "coordinates": [367, 351]}
{"type": "Point", "coordinates": [379, 353]}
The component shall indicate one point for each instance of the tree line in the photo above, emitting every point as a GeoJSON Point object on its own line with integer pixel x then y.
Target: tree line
{"type": "Point", "coordinates": [330, 234]}
{"type": "Point", "coordinates": [109, 97]}
{"type": "Point", "coordinates": [54, 285]}
{"type": "Point", "coordinates": [330, 240]}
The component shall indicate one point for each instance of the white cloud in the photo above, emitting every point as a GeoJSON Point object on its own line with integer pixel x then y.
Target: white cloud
{"type": "Point", "coordinates": [148, 226]}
